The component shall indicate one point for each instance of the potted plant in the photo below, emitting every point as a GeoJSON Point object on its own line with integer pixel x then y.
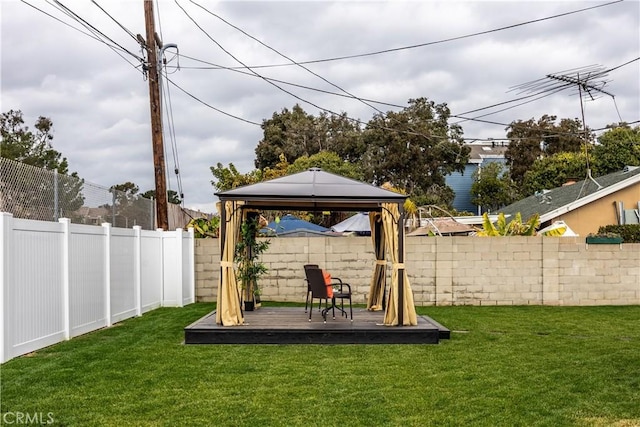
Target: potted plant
{"type": "Point", "coordinates": [247, 254]}
{"type": "Point", "coordinates": [604, 238]}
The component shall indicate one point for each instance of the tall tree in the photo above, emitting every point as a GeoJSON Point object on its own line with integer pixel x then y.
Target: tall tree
{"type": "Point", "coordinates": [172, 196]}
{"type": "Point", "coordinates": [37, 196]}
{"type": "Point", "coordinates": [295, 133]}
{"type": "Point", "coordinates": [131, 208]}
{"type": "Point", "coordinates": [492, 187]}
{"type": "Point", "coordinates": [227, 178]}
{"type": "Point", "coordinates": [291, 133]}
{"type": "Point", "coordinates": [414, 149]}
{"type": "Point", "coordinates": [530, 140]}
{"type": "Point", "coordinates": [328, 162]}
{"type": "Point", "coordinates": [554, 171]}
{"type": "Point", "coordinates": [617, 147]}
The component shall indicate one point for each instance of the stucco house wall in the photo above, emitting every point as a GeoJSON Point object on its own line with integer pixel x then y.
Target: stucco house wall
{"type": "Point", "coordinates": [587, 219]}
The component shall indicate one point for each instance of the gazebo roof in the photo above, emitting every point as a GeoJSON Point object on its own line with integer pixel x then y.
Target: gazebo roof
{"type": "Point", "coordinates": [313, 189]}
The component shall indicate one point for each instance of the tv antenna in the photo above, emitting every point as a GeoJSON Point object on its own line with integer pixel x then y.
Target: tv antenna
{"type": "Point", "coordinates": [589, 81]}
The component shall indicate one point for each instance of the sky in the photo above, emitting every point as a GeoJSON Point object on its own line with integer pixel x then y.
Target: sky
{"type": "Point", "coordinates": [468, 54]}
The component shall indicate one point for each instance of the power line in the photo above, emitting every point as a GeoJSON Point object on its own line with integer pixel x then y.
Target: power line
{"type": "Point", "coordinates": [126, 30]}
{"type": "Point", "coordinates": [110, 46]}
{"type": "Point", "coordinates": [287, 58]}
{"type": "Point", "coordinates": [255, 73]}
{"type": "Point", "coordinates": [361, 55]}
{"type": "Point", "coordinates": [246, 73]}
{"type": "Point", "coordinates": [211, 106]}
{"type": "Point", "coordinates": [90, 27]}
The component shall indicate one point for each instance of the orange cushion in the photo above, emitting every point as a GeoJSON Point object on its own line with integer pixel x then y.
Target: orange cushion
{"type": "Point", "coordinates": [327, 282]}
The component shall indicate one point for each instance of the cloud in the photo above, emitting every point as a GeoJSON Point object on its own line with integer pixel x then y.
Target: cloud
{"type": "Point", "coordinates": [98, 101]}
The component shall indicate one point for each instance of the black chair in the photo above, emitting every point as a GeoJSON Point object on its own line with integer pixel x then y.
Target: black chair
{"type": "Point", "coordinates": [306, 266]}
{"type": "Point", "coordinates": [319, 290]}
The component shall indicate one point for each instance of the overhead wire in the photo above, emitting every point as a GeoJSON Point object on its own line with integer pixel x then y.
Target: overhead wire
{"type": "Point", "coordinates": [186, 92]}
{"type": "Point", "coordinates": [166, 100]}
{"type": "Point", "coordinates": [333, 93]}
{"type": "Point", "coordinates": [479, 33]}
{"type": "Point", "coordinates": [287, 58]}
{"type": "Point", "coordinates": [114, 48]}
{"type": "Point", "coordinates": [126, 30]}
{"type": "Point", "coordinates": [89, 26]}
{"type": "Point", "coordinates": [240, 71]}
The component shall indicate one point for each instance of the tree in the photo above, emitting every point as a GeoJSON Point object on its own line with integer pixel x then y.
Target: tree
{"type": "Point", "coordinates": [328, 162]}
{"type": "Point", "coordinates": [229, 177]}
{"type": "Point", "coordinates": [554, 171]}
{"type": "Point", "coordinates": [172, 196]}
{"type": "Point", "coordinates": [129, 207]}
{"type": "Point", "coordinates": [37, 196]}
{"type": "Point", "coordinates": [414, 149]}
{"type": "Point", "coordinates": [291, 133]}
{"type": "Point", "coordinates": [617, 147]}
{"type": "Point", "coordinates": [296, 133]}
{"type": "Point", "coordinates": [530, 140]}
{"type": "Point", "coordinates": [492, 187]}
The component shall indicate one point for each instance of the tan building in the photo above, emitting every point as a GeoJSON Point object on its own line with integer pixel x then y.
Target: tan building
{"type": "Point", "coordinates": [587, 205]}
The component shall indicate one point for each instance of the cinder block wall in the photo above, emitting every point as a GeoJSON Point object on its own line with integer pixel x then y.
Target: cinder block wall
{"type": "Point", "coordinates": [451, 270]}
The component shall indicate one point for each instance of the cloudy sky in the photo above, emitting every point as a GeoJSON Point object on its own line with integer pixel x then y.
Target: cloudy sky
{"type": "Point", "coordinates": [468, 54]}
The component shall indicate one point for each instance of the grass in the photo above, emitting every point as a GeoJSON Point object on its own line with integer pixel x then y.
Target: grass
{"type": "Point", "coordinates": [503, 366]}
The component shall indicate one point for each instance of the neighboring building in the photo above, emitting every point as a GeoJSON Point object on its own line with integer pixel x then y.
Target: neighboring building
{"type": "Point", "coordinates": [586, 205]}
{"type": "Point", "coordinates": [461, 183]}
{"type": "Point", "coordinates": [292, 226]}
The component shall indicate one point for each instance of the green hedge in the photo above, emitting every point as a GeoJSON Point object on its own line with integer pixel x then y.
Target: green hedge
{"type": "Point", "coordinates": [630, 232]}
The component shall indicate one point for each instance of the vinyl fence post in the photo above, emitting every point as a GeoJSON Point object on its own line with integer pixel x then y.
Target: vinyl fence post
{"type": "Point", "coordinates": [6, 231]}
{"type": "Point", "coordinates": [192, 265]}
{"type": "Point", "coordinates": [107, 272]}
{"type": "Point", "coordinates": [66, 247]}
{"type": "Point", "coordinates": [56, 200]}
{"type": "Point", "coordinates": [137, 260]}
{"type": "Point", "coordinates": [180, 275]}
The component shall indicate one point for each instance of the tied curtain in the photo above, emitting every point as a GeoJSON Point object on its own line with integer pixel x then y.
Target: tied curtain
{"type": "Point", "coordinates": [375, 301]}
{"type": "Point", "coordinates": [229, 306]}
{"type": "Point", "coordinates": [392, 220]}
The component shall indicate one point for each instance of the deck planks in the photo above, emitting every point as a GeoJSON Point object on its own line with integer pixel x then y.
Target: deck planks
{"type": "Point", "coordinates": [291, 325]}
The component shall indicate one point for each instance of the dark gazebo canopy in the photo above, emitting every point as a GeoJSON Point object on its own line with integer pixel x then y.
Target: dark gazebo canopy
{"type": "Point", "coordinates": [316, 190]}
{"type": "Point", "coordinates": [313, 189]}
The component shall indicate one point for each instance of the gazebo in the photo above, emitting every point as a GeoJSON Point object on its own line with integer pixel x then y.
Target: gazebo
{"type": "Point", "coordinates": [317, 190]}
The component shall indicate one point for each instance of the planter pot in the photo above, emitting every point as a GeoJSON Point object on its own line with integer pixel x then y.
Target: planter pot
{"type": "Point", "coordinates": [595, 240]}
{"type": "Point", "coordinates": [253, 304]}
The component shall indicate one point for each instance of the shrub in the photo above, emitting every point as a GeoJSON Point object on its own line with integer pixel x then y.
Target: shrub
{"type": "Point", "coordinates": [630, 233]}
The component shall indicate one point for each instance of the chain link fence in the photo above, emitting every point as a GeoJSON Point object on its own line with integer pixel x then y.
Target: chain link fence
{"type": "Point", "coordinates": [34, 193]}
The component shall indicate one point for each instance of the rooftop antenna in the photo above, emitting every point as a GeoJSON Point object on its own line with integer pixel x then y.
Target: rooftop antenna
{"type": "Point", "coordinates": [587, 79]}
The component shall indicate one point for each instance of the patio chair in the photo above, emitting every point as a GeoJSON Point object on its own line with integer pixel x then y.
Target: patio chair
{"type": "Point", "coordinates": [306, 279]}
{"type": "Point", "coordinates": [320, 290]}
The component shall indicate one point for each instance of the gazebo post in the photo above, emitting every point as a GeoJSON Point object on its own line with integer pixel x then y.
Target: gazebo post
{"type": "Point", "coordinates": [223, 237]}
{"type": "Point", "coordinates": [401, 262]}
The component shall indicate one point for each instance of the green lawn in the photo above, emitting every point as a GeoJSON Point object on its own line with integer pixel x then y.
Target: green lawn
{"type": "Point", "coordinates": [523, 366]}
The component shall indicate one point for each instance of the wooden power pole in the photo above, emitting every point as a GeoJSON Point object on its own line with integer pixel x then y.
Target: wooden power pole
{"type": "Point", "coordinates": [156, 117]}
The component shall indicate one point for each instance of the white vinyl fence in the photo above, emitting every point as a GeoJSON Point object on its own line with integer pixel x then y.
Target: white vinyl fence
{"type": "Point", "coordinates": [59, 280]}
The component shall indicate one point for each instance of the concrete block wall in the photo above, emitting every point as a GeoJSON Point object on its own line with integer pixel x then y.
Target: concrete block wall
{"type": "Point", "coordinates": [451, 270]}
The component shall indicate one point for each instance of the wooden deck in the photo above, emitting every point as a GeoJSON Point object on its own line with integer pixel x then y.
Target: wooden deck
{"type": "Point", "coordinates": [290, 325]}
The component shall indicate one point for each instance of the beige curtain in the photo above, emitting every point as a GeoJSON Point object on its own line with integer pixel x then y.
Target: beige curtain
{"type": "Point", "coordinates": [379, 279]}
{"type": "Point", "coordinates": [392, 221]}
{"type": "Point", "coordinates": [229, 304]}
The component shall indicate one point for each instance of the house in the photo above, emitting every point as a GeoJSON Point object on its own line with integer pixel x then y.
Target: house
{"type": "Point", "coordinates": [460, 183]}
{"type": "Point", "coordinates": [586, 205]}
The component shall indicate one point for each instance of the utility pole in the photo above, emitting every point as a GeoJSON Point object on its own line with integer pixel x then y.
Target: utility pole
{"type": "Point", "coordinates": [152, 44]}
